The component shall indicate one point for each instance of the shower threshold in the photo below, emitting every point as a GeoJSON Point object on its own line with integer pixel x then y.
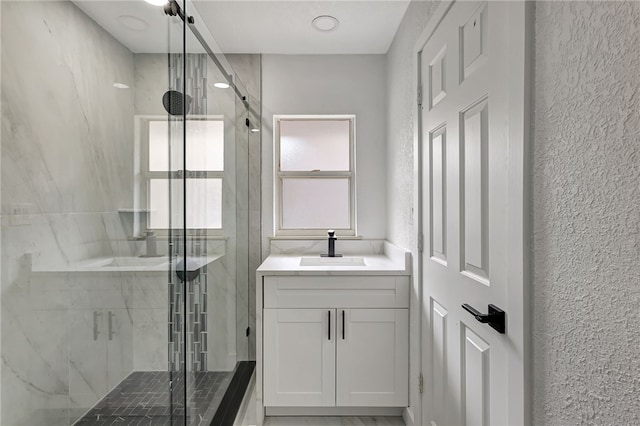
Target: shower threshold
{"type": "Point", "coordinates": [143, 399]}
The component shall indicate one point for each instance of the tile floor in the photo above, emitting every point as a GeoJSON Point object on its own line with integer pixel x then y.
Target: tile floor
{"type": "Point", "coordinates": [247, 417]}
{"type": "Point", "coordinates": [143, 399]}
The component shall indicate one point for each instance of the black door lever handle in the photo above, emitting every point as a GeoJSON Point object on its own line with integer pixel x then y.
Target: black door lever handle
{"type": "Point", "coordinates": [495, 318]}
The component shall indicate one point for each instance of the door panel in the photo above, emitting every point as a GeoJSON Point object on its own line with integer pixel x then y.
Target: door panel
{"type": "Point", "coordinates": [438, 384]}
{"type": "Point", "coordinates": [438, 195]}
{"type": "Point", "coordinates": [475, 378]}
{"type": "Point", "coordinates": [470, 155]}
{"type": "Point", "coordinates": [437, 78]}
{"type": "Point", "coordinates": [473, 43]}
{"type": "Point", "coordinates": [372, 357]}
{"type": "Point", "coordinates": [474, 201]}
{"type": "Point", "coordinates": [300, 345]}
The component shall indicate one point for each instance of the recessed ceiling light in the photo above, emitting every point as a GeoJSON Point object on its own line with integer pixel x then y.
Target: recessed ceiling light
{"type": "Point", "coordinates": [157, 2]}
{"type": "Point", "coordinates": [120, 86]}
{"type": "Point", "coordinates": [325, 23]}
{"type": "Point", "coordinates": [132, 23]}
{"type": "Point", "coordinates": [221, 85]}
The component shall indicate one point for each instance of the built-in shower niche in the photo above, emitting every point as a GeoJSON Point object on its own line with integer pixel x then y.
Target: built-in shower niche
{"type": "Point", "coordinates": [134, 222]}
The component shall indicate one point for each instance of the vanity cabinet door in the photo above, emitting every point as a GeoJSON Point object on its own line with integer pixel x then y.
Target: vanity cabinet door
{"type": "Point", "coordinates": [372, 357]}
{"type": "Point", "coordinates": [299, 357]}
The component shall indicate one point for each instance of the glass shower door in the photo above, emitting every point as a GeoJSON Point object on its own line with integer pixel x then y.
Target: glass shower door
{"type": "Point", "coordinates": [125, 228]}
{"type": "Point", "coordinates": [203, 296]}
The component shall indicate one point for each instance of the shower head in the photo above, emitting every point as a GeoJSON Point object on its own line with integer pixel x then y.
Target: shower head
{"type": "Point", "coordinates": [176, 103]}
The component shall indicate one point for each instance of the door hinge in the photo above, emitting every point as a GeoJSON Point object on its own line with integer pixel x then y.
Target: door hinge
{"type": "Point", "coordinates": [420, 242]}
{"type": "Point", "coordinates": [248, 331]}
{"type": "Point", "coordinates": [420, 95]}
{"type": "Point", "coordinates": [421, 383]}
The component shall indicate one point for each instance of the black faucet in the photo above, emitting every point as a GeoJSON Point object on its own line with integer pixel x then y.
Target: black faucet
{"type": "Point", "coordinates": [332, 245]}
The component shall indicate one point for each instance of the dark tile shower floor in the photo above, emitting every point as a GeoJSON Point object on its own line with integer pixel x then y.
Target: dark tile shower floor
{"type": "Point", "coordinates": [143, 399]}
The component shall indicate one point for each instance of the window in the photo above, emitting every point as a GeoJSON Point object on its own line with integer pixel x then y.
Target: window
{"type": "Point", "coordinates": [162, 164]}
{"type": "Point", "coordinates": [314, 175]}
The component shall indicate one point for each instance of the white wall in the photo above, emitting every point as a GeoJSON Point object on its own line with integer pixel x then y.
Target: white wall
{"type": "Point", "coordinates": [586, 213]}
{"type": "Point", "coordinates": [330, 84]}
{"type": "Point", "coordinates": [586, 193]}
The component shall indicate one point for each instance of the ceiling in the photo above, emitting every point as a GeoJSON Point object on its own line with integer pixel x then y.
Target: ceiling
{"type": "Point", "coordinates": [256, 26]}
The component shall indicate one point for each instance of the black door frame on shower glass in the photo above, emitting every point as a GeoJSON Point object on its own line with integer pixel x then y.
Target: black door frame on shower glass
{"type": "Point", "coordinates": [173, 9]}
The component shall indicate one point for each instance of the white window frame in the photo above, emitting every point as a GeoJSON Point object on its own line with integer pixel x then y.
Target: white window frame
{"type": "Point", "coordinates": [145, 175]}
{"type": "Point", "coordinates": [279, 176]}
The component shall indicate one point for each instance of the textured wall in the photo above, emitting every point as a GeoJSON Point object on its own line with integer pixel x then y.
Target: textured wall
{"type": "Point", "coordinates": [586, 215]}
{"type": "Point", "coordinates": [400, 122]}
{"type": "Point", "coordinates": [401, 118]}
{"type": "Point", "coordinates": [586, 193]}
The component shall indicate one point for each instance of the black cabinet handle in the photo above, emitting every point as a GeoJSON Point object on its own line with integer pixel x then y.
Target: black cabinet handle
{"type": "Point", "coordinates": [329, 328]}
{"type": "Point", "coordinates": [343, 324]}
{"type": "Point", "coordinates": [495, 318]}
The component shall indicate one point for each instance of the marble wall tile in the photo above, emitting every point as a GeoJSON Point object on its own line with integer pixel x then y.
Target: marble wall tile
{"type": "Point", "coordinates": [66, 158]}
{"type": "Point", "coordinates": [230, 279]}
{"type": "Point", "coordinates": [316, 247]}
{"type": "Point", "coordinates": [151, 82]}
{"type": "Point", "coordinates": [248, 70]}
{"type": "Point", "coordinates": [150, 337]}
{"type": "Point", "coordinates": [221, 301]}
{"type": "Point", "coordinates": [87, 359]}
{"type": "Point", "coordinates": [67, 150]}
{"type": "Point", "coordinates": [34, 363]}
{"type": "Point", "coordinates": [66, 132]}
{"type": "Point", "coordinates": [120, 361]}
{"type": "Point", "coordinates": [150, 291]}
{"type": "Point", "coordinates": [149, 315]}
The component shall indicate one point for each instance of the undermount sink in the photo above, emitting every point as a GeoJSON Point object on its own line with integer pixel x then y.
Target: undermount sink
{"type": "Point", "coordinates": [332, 261]}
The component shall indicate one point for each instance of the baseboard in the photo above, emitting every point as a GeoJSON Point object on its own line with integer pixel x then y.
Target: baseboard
{"type": "Point", "coordinates": [334, 411]}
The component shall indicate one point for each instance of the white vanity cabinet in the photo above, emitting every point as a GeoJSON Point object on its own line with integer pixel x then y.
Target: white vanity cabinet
{"type": "Point", "coordinates": [299, 357]}
{"type": "Point", "coordinates": [335, 341]}
{"type": "Point", "coordinates": [372, 361]}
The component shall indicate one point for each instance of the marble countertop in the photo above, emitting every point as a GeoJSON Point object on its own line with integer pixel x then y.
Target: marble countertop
{"type": "Point", "coordinates": [127, 264]}
{"type": "Point", "coordinates": [374, 264]}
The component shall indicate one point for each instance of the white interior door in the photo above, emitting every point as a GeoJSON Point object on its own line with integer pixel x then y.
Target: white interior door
{"type": "Point", "coordinates": [472, 213]}
{"type": "Point", "coordinates": [300, 350]}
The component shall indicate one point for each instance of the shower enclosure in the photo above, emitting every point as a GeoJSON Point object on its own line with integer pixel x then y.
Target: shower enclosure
{"type": "Point", "coordinates": [129, 180]}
